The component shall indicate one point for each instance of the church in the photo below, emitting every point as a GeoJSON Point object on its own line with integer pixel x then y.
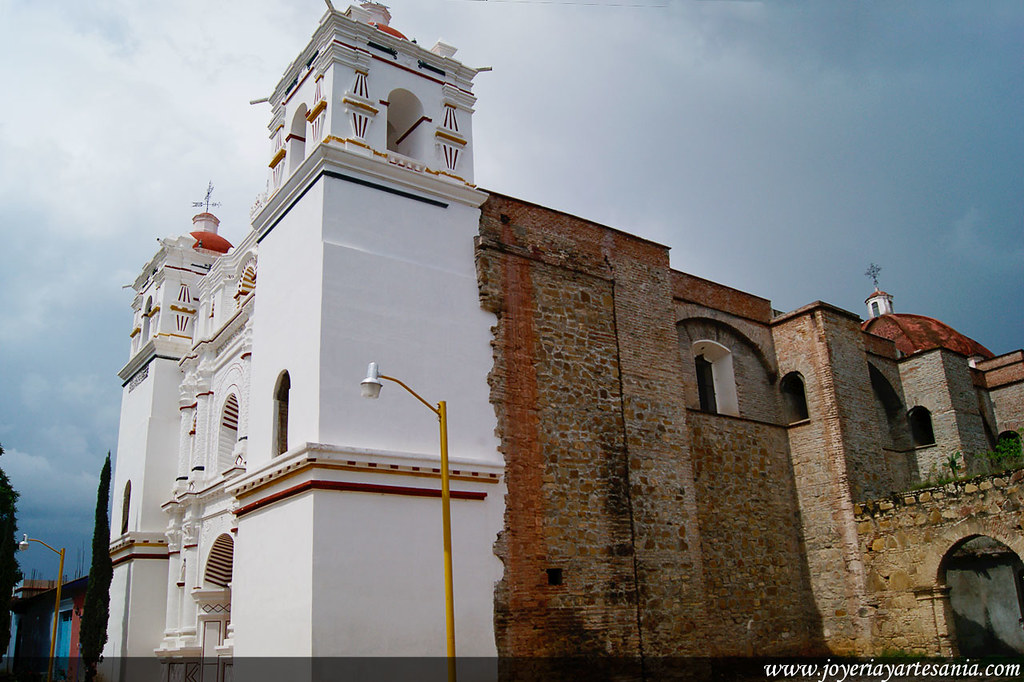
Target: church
{"type": "Point", "coordinates": [644, 463]}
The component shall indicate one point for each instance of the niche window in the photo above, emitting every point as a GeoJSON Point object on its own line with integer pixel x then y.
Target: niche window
{"type": "Point", "coordinates": [228, 433]}
{"type": "Point", "coordinates": [794, 398]}
{"type": "Point", "coordinates": [147, 318]}
{"type": "Point", "coordinates": [296, 140]}
{"type": "Point", "coordinates": [706, 385]}
{"type": "Point", "coordinates": [126, 501]}
{"type": "Point", "coordinates": [284, 385]}
{"type": "Point", "coordinates": [716, 381]}
{"type": "Point", "coordinates": [921, 426]}
{"type": "Point", "coordinates": [406, 131]}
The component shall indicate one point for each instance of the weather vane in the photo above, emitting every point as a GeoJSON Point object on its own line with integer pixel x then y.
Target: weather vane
{"type": "Point", "coordinates": [872, 272]}
{"type": "Point", "coordinates": [205, 204]}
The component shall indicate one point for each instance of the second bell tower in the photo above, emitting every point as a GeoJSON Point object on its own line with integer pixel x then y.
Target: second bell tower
{"type": "Point", "coordinates": [366, 248]}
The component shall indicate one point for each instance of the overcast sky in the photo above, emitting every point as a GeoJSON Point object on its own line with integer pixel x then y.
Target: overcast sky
{"type": "Point", "coordinates": [777, 147]}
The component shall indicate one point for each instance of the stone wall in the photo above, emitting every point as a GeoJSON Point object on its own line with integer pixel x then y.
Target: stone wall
{"type": "Point", "coordinates": [1003, 376]}
{"type": "Point", "coordinates": [601, 547]}
{"type": "Point", "coordinates": [757, 579]}
{"type": "Point", "coordinates": [637, 526]}
{"type": "Point", "coordinates": [903, 540]}
{"type": "Point", "coordinates": [822, 480]}
{"type": "Point", "coordinates": [896, 445]}
{"type": "Point", "coordinates": [940, 381]}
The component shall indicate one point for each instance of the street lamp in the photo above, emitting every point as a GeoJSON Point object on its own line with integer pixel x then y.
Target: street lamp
{"type": "Point", "coordinates": [371, 386]}
{"type": "Point", "coordinates": [23, 545]}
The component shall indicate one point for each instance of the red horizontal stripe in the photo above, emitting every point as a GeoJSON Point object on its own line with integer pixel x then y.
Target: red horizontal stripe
{"type": "Point", "coordinates": [130, 557]}
{"type": "Point", "coordinates": [345, 486]}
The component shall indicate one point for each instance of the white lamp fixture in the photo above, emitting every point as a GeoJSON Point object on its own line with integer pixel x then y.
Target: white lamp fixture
{"type": "Point", "coordinates": [371, 384]}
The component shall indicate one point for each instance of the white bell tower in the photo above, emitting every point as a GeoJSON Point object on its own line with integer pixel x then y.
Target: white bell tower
{"type": "Point", "coordinates": [164, 328]}
{"type": "Point", "coordinates": [366, 241]}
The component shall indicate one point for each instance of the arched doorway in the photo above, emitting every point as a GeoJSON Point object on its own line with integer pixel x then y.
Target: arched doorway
{"type": "Point", "coordinates": [985, 597]}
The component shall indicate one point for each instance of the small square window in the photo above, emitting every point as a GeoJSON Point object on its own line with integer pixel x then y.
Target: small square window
{"type": "Point", "coordinates": [554, 576]}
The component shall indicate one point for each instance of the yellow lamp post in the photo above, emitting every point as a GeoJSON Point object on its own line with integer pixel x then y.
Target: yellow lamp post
{"type": "Point", "coordinates": [23, 545]}
{"type": "Point", "coordinates": [371, 386]}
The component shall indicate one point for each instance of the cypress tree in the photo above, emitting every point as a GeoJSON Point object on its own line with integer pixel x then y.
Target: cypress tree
{"type": "Point", "coordinates": [93, 633]}
{"type": "Point", "coordinates": [10, 574]}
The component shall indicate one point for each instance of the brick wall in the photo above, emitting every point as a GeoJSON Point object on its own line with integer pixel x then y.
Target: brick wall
{"type": "Point", "coordinates": [593, 430]}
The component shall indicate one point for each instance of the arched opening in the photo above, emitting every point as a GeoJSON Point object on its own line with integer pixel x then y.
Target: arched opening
{"type": "Point", "coordinates": [406, 132]}
{"type": "Point", "coordinates": [921, 426]}
{"type": "Point", "coordinates": [219, 563]}
{"type": "Point", "coordinates": [985, 597]}
{"type": "Point", "coordinates": [1008, 448]}
{"type": "Point", "coordinates": [296, 139]}
{"type": "Point", "coordinates": [794, 398]}
{"type": "Point", "coordinates": [126, 502]}
{"type": "Point", "coordinates": [228, 433]}
{"type": "Point", "coordinates": [246, 283]}
{"type": "Point", "coordinates": [147, 317]}
{"type": "Point", "coordinates": [716, 380]}
{"type": "Point", "coordinates": [284, 386]}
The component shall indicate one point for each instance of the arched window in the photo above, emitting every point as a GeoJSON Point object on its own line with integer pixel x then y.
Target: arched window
{"type": "Point", "coordinates": [921, 426]}
{"type": "Point", "coordinates": [228, 433]}
{"type": "Point", "coordinates": [406, 132]}
{"type": "Point", "coordinates": [126, 502]}
{"type": "Point", "coordinates": [147, 316]}
{"type": "Point", "coordinates": [296, 139]}
{"type": "Point", "coordinates": [284, 385]}
{"type": "Point", "coordinates": [246, 283]}
{"type": "Point", "coordinates": [219, 563]}
{"type": "Point", "coordinates": [1008, 445]}
{"type": "Point", "coordinates": [716, 381]}
{"type": "Point", "coordinates": [794, 398]}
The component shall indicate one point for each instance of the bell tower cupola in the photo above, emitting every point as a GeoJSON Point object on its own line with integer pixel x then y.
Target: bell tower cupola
{"type": "Point", "coordinates": [363, 87]}
{"type": "Point", "coordinates": [879, 303]}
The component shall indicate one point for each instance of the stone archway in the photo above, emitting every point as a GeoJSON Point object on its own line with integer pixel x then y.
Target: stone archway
{"type": "Point", "coordinates": [985, 612]}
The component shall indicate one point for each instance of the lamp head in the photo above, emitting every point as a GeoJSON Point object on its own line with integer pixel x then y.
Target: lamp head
{"type": "Point", "coordinates": [23, 545]}
{"type": "Point", "coordinates": [371, 384]}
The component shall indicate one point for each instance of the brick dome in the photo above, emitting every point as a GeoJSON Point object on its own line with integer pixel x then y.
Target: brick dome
{"type": "Point", "coordinates": [916, 333]}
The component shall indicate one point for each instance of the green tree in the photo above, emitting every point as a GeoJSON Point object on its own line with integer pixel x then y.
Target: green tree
{"type": "Point", "coordinates": [93, 633]}
{"type": "Point", "coordinates": [10, 574]}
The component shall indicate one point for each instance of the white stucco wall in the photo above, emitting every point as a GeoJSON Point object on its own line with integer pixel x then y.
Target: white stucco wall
{"type": "Point", "coordinates": [272, 587]}
{"type": "Point", "coordinates": [286, 327]}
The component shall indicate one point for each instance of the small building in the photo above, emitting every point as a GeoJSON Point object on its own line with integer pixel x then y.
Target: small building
{"type": "Point", "coordinates": [32, 627]}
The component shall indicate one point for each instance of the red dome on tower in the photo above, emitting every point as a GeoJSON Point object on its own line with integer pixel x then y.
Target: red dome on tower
{"type": "Point", "coordinates": [916, 333]}
{"type": "Point", "coordinates": [206, 235]}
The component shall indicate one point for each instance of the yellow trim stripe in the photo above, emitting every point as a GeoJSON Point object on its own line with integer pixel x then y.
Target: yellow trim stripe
{"type": "Point", "coordinates": [448, 136]}
{"type": "Point", "coordinates": [361, 105]}
{"type": "Point", "coordinates": [315, 111]}
{"type": "Point", "coordinates": [278, 157]}
{"type": "Point", "coordinates": [348, 467]}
